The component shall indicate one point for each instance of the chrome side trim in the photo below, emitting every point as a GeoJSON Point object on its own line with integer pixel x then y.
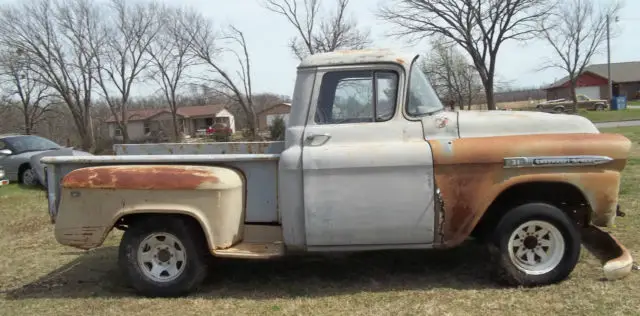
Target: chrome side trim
{"type": "Point", "coordinates": [555, 161]}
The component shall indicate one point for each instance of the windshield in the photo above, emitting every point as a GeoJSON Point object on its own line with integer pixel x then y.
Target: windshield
{"type": "Point", "coordinates": [20, 144]}
{"type": "Point", "coordinates": [422, 100]}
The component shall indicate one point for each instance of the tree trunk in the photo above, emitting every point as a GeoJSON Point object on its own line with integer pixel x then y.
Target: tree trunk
{"type": "Point", "coordinates": [87, 141]}
{"type": "Point", "coordinates": [27, 124]}
{"type": "Point", "coordinates": [176, 133]}
{"type": "Point", "coordinates": [252, 122]}
{"type": "Point", "coordinates": [574, 96]}
{"type": "Point", "coordinates": [123, 125]}
{"type": "Point", "coordinates": [488, 88]}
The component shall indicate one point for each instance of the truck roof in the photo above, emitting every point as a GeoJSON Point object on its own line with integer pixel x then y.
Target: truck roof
{"type": "Point", "coordinates": [357, 57]}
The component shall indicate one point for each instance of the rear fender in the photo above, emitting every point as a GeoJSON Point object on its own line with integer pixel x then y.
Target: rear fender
{"type": "Point", "coordinates": [94, 199]}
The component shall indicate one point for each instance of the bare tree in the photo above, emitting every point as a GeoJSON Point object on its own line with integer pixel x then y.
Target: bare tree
{"type": "Point", "coordinates": [453, 78]}
{"type": "Point", "coordinates": [56, 37]}
{"type": "Point", "coordinates": [236, 87]}
{"type": "Point", "coordinates": [576, 31]}
{"type": "Point", "coordinates": [479, 27]}
{"type": "Point", "coordinates": [170, 54]}
{"type": "Point", "coordinates": [120, 62]}
{"type": "Point", "coordinates": [23, 84]}
{"type": "Point", "coordinates": [318, 34]}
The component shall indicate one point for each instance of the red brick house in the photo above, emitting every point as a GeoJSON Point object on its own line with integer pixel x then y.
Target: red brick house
{"type": "Point", "coordinates": [593, 82]}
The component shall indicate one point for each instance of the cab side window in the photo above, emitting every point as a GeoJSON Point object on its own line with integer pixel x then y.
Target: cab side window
{"type": "Point", "coordinates": [357, 97]}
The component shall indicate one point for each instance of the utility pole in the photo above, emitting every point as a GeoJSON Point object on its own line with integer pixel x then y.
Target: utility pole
{"type": "Point", "coordinates": [609, 59]}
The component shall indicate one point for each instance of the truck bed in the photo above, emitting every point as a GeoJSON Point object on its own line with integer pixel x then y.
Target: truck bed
{"type": "Point", "coordinates": [260, 169]}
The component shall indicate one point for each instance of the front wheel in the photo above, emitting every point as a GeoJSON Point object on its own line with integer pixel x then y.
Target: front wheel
{"type": "Point", "coordinates": [28, 177]}
{"type": "Point", "coordinates": [536, 244]}
{"type": "Point", "coordinates": [163, 257]}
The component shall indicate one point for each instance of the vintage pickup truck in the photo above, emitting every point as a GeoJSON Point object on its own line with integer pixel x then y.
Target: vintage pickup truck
{"type": "Point", "coordinates": [370, 161]}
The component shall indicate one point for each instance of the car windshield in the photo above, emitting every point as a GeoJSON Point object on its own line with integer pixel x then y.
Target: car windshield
{"type": "Point", "coordinates": [20, 144]}
{"type": "Point", "coordinates": [423, 100]}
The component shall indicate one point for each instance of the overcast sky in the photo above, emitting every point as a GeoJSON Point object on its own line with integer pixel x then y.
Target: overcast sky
{"type": "Point", "coordinates": [274, 65]}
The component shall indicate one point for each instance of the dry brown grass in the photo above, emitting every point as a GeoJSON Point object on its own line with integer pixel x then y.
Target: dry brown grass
{"type": "Point", "coordinates": [38, 276]}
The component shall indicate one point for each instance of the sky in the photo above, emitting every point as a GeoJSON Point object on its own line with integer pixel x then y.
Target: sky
{"type": "Point", "coordinates": [274, 65]}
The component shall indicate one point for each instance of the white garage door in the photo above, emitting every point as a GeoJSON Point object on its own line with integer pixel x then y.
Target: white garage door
{"type": "Point", "coordinates": [590, 92]}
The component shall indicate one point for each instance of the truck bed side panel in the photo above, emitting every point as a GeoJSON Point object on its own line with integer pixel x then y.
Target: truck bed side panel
{"type": "Point", "coordinates": [260, 172]}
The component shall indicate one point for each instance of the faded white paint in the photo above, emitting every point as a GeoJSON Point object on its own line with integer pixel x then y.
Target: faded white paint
{"type": "Point", "coordinates": [349, 57]}
{"type": "Point", "coordinates": [355, 176]}
{"type": "Point", "coordinates": [501, 123]}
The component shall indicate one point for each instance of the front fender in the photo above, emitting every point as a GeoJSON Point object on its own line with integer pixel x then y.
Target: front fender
{"type": "Point", "coordinates": [470, 173]}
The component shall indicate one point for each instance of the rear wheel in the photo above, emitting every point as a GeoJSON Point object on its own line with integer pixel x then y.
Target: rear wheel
{"type": "Point", "coordinates": [535, 244]}
{"type": "Point", "coordinates": [599, 107]}
{"type": "Point", "coordinates": [163, 257]}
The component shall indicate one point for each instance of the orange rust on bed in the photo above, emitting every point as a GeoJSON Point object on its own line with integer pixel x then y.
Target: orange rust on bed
{"type": "Point", "coordinates": [470, 174]}
{"type": "Point", "coordinates": [138, 178]}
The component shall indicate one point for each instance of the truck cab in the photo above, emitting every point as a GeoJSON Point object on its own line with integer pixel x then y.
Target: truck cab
{"type": "Point", "coordinates": [371, 161]}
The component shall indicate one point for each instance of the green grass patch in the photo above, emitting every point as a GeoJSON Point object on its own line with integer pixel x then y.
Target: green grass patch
{"type": "Point", "coordinates": [608, 116]}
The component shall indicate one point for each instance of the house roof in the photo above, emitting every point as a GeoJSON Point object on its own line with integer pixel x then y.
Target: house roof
{"type": "Point", "coordinates": [273, 106]}
{"type": "Point", "coordinates": [185, 112]}
{"type": "Point", "coordinates": [620, 72]}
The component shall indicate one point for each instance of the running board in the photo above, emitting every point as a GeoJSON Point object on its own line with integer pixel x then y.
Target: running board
{"type": "Point", "coordinates": [252, 250]}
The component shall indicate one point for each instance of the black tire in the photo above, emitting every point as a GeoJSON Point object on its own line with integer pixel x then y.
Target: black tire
{"type": "Point", "coordinates": [507, 271]}
{"type": "Point", "coordinates": [195, 248]}
{"type": "Point", "coordinates": [599, 107]}
{"type": "Point", "coordinates": [30, 180]}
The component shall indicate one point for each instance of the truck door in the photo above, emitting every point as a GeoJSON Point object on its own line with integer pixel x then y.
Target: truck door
{"type": "Point", "coordinates": [367, 171]}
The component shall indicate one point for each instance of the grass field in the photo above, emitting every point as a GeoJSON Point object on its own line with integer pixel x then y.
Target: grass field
{"type": "Point", "coordinates": [38, 276]}
{"type": "Point", "coordinates": [604, 116]}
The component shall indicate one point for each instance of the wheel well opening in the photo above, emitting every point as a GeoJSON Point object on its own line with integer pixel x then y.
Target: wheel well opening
{"type": "Point", "coordinates": [562, 195]}
{"type": "Point", "coordinates": [124, 222]}
{"type": "Point", "coordinates": [21, 169]}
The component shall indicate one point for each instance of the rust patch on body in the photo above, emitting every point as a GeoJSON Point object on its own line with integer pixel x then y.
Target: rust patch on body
{"type": "Point", "coordinates": [139, 178]}
{"type": "Point", "coordinates": [470, 174]}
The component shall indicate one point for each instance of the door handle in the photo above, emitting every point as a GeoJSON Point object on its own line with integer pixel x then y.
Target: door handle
{"type": "Point", "coordinates": [317, 139]}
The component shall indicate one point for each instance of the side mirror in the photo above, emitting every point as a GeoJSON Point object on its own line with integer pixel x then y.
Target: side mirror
{"type": "Point", "coordinates": [5, 152]}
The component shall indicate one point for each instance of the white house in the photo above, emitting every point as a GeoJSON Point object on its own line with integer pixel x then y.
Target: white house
{"type": "Point", "coordinates": [192, 121]}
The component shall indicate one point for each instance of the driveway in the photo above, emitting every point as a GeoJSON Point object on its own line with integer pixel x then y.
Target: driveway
{"type": "Point", "coordinates": [618, 124]}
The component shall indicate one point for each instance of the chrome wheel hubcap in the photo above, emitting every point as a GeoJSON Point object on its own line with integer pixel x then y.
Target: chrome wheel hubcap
{"type": "Point", "coordinates": [161, 257]}
{"type": "Point", "coordinates": [536, 247]}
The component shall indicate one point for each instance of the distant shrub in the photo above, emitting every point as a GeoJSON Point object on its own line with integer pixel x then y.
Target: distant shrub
{"type": "Point", "coordinates": [277, 129]}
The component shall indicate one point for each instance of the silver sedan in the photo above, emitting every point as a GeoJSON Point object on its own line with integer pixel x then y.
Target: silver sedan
{"type": "Point", "coordinates": [20, 155]}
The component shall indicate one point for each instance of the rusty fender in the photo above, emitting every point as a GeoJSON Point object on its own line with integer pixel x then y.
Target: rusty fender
{"type": "Point", "coordinates": [616, 260]}
{"type": "Point", "coordinates": [470, 174]}
{"type": "Point", "coordinates": [140, 178]}
{"type": "Point", "coordinates": [94, 199]}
